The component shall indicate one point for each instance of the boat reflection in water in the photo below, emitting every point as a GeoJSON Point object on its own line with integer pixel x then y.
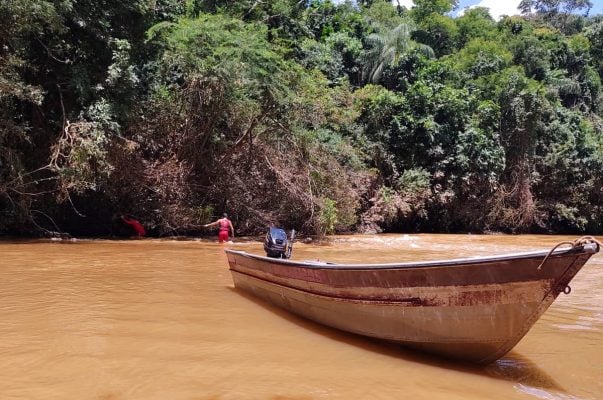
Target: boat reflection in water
{"type": "Point", "coordinates": [472, 309]}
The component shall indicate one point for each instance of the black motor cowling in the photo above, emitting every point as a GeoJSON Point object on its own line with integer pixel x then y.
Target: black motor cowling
{"type": "Point", "coordinates": [277, 244]}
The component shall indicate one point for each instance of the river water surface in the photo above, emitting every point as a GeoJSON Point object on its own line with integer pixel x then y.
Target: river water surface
{"type": "Point", "coordinates": [160, 319]}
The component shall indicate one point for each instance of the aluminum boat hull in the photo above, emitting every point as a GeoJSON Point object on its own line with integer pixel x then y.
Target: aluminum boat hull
{"type": "Point", "coordinates": [474, 309]}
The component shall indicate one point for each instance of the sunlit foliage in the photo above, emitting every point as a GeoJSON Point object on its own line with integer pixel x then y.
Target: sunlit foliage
{"type": "Point", "coordinates": [319, 115]}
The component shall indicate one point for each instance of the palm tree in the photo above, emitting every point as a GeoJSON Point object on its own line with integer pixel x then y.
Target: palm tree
{"type": "Point", "coordinates": [386, 48]}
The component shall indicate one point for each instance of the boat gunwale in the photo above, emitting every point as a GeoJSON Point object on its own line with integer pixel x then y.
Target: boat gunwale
{"type": "Point", "coordinates": [586, 248]}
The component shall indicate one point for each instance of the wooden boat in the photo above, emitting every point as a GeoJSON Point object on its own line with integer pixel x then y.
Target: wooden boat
{"type": "Point", "coordinates": [473, 309]}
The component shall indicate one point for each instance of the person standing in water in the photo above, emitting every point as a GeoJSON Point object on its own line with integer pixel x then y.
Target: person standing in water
{"type": "Point", "coordinates": [225, 226]}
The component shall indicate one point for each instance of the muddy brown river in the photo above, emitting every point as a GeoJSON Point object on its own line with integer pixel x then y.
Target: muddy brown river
{"type": "Point", "coordinates": [160, 319]}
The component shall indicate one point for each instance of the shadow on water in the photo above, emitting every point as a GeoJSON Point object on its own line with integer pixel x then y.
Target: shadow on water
{"type": "Point", "coordinates": [513, 367]}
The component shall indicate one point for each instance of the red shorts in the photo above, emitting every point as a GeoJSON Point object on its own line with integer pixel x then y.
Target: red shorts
{"type": "Point", "coordinates": [223, 236]}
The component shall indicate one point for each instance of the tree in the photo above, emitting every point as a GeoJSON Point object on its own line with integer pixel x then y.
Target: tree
{"type": "Point", "coordinates": [551, 7]}
{"type": "Point", "coordinates": [522, 105]}
{"type": "Point", "coordinates": [475, 23]}
{"type": "Point", "coordinates": [438, 32]}
{"type": "Point", "coordinates": [386, 48]}
{"type": "Point", "coordinates": [559, 13]}
{"type": "Point", "coordinates": [424, 8]}
{"type": "Point", "coordinates": [594, 33]}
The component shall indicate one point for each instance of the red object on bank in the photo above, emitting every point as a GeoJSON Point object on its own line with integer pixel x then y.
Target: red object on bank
{"type": "Point", "coordinates": [137, 226]}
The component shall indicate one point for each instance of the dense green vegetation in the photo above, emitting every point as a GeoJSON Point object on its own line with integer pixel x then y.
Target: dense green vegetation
{"type": "Point", "coordinates": [321, 116]}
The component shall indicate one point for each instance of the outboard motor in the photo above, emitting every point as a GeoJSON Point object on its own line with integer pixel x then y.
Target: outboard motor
{"type": "Point", "coordinates": [277, 244]}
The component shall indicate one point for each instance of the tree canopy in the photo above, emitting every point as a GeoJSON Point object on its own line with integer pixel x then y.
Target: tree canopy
{"type": "Point", "coordinates": [318, 115]}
